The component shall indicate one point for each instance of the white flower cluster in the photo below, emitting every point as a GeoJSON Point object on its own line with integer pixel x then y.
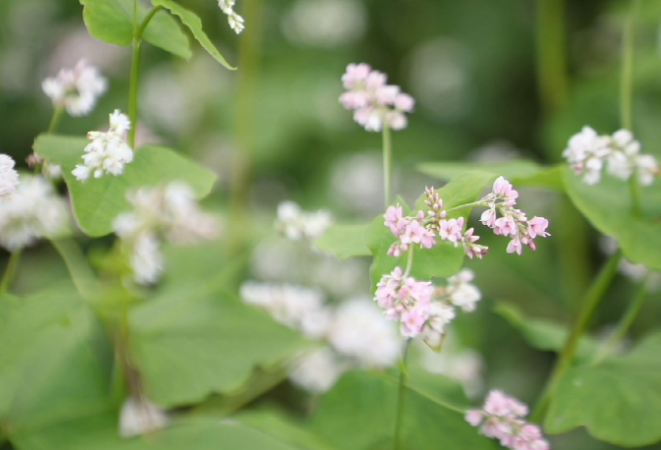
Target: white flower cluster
{"type": "Point", "coordinates": [589, 153]}
{"type": "Point", "coordinates": [8, 175]}
{"type": "Point", "coordinates": [139, 417]}
{"type": "Point", "coordinates": [358, 334]}
{"type": "Point", "coordinates": [236, 21]}
{"type": "Point", "coordinates": [76, 89]}
{"type": "Point", "coordinates": [166, 212]}
{"type": "Point", "coordinates": [32, 212]}
{"type": "Point", "coordinates": [108, 152]}
{"type": "Point", "coordinates": [297, 224]}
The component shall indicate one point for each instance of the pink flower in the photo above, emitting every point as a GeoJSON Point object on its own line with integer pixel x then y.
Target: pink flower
{"type": "Point", "coordinates": [394, 217]}
{"type": "Point", "coordinates": [504, 189]}
{"type": "Point", "coordinates": [404, 102]}
{"type": "Point", "coordinates": [537, 227]}
{"type": "Point", "coordinates": [506, 226]}
{"type": "Point", "coordinates": [474, 417]}
{"type": "Point", "coordinates": [355, 74]}
{"type": "Point", "coordinates": [515, 247]}
{"type": "Point", "coordinates": [451, 230]}
{"type": "Point", "coordinates": [413, 320]}
{"type": "Point", "coordinates": [488, 217]}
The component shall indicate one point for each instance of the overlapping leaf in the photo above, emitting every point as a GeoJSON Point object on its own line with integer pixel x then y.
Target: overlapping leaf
{"type": "Point", "coordinates": [344, 240]}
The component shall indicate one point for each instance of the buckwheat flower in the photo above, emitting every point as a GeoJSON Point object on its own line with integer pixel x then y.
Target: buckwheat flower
{"type": "Point", "coordinates": [648, 169]}
{"type": "Point", "coordinates": [33, 211]}
{"type": "Point", "coordinates": [317, 372]}
{"type": "Point", "coordinates": [375, 104]}
{"type": "Point", "coordinates": [159, 213]}
{"type": "Point", "coordinates": [76, 89]}
{"type": "Point", "coordinates": [361, 332]}
{"type": "Point", "coordinates": [461, 292]}
{"type": "Point", "coordinates": [139, 417]}
{"type": "Point", "coordinates": [297, 224]}
{"type": "Point", "coordinates": [502, 417]}
{"type": "Point", "coordinates": [108, 152]}
{"type": "Point", "coordinates": [8, 175]}
{"type": "Point", "coordinates": [236, 22]}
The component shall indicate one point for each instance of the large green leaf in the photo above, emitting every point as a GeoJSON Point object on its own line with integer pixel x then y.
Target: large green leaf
{"type": "Point", "coordinates": [344, 240]}
{"type": "Point", "coordinates": [54, 362]}
{"type": "Point", "coordinates": [194, 24]}
{"type": "Point", "coordinates": [519, 172]}
{"type": "Point", "coordinates": [100, 432]}
{"type": "Point", "coordinates": [190, 342]}
{"type": "Point", "coordinates": [444, 260]}
{"type": "Point", "coordinates": [545, 334]}
{"type": "Point", "coordinates": [112, 21]}
{"type": "Point", "coordinates": [281, 426]}
{"type": "Point", "coordinates": [608, 207]}
{"type": "Point", "coordinates": [97, 202]}
{"type": "Point", "coordinates": [618, 401]}
{"type": "Point", "coordinates": [359, 414]}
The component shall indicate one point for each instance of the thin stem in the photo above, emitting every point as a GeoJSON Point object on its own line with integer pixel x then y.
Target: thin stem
{"type": "Point", "coordinates": [409, 261]}
{"type": "Point", "coordinates": [387, 165]}
{"type": "Point", "coordinates": [629, 317]}
{"type": "Point", "coordinates": [146, 20]}
{"type": "Point", "coordinates": [551, 54]}
{"type": "Point", "coordinates": [401, 397]}
{"type": "Point", "coordinates": [467, 205]}
{"type": "Point", "coordinates": [10, 271]}
{"type": "Point", "coordinates": [592, 300]}
{"type": "Point", "coordinates": [55, 120]}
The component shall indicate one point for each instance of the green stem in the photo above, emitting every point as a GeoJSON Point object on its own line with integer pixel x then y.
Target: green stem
{"type": "Point", "coordinates": [387, 165]}
{"type": "Point", "coordinates": [138, 31]}
{"type": "Point", "coordinates": [592, 300]}
{"type": "Point", "coordinates": [551, 54]}
{"type": "Point", "coordinates": [10, 271]}
{"type": "Point", "coordinates": [467, 205]}
{"type": "Point", "coordinates": [409, 261]}
{"type": "Point", "coordinates": [55, 120]}
{"type": "Point", "coordinates": [629, 317]}
{"type": "Point", "coordinates": [401, 397]}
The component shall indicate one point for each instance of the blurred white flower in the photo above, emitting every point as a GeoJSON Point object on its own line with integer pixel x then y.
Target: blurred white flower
{"type": "Point", "coordinates": [325, 23]}
{"type": "Point", "coordinates": [76, 89]}
{"type": "Point", "coordinates": [236, 21]}
{"type": "Point", "coordinates": [170, 212]}
{"type": "Point", "coordinates": [32, 212]}
{"type": "Point", "coordinates": [360, 331]}
{"type": "Point", "coordinates": [8, 175]}
{"type": "Point", "coordinates": [462, 293]}
{"type": "Point", "coordinates": [357, 181]}
{"type": "Point", "coordinates": [108, 152]}
{"type": "Point", "coordinates": [635, 272]}
{"type": "Point", "coordinates": [297, 224]}
{"type": "Point", "coordinates": [139, 417]}
{"type": "Point", "coordinates": [318, 371]}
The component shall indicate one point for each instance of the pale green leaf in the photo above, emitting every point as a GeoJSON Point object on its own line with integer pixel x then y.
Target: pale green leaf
{"type": "Point", "coordinates": [97, 202]}
{"type": "Point", "coordinates": [194, 24]}
{"type": "Point", "coordinates": [112, 21]}
{"type": "Point", "coordinates": [344, 240]}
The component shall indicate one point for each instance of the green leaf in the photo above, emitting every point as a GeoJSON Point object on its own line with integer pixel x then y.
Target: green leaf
{"type": "Point", "coordinates": [282, 427]}
{"type": "Point", "coordinates": [190, 342]}
{"type": "Point", "coordinates": [344, 240]}
{"type": "Point", "coordinates": [520, 173]}
{"type": "Point", "coordinates": [53, 363]}
{"type": "Point", "coordinates": [617, 400]}
{"type": "Point", "coordinates": [359, 414]}
{"type": "Point", "coordinates": [545, 334]}
{"type": "Point", "coordinates": [97, 202]}
{"type": "Point", "coordinates": [444, 260]}
{"type": "Point", "coordinates": [100, 432]}
{"type": "Point", "coordinates": [112, 21]}
{"type": "Point", "coordinates": [608, 207]}
{"type": "Point", "coordinates": [193, 22]}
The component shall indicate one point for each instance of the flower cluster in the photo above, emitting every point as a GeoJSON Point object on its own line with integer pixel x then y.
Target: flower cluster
{"type": "Point", "coordinates": [31, 212]}
{"type": "Point", "coordinates": [356, 331]}
{"type": "Point", "coordinates": [376, 104]}
{"type": "Point", "coordinates": [422, 308]}
{"type": "Point", "coordinates": [108, 152]}
{"type": "Point", "coordinates": [169, 212]}
{"type": "Point", "coordinates": [589, 153]}
{"type": "Point", "coordinates": [513, 222]}
{"type": "Point", "coordinates": [8, 175]}
{"type": "Point", "coordinates": [236, 21]}
{"type": "Point", "coordinates": [297, 224]}
{"type": "Point", "coordinates": [503, 418]}
{"type": "Point", "coordinates": [76, 89]}
{"type": "Point", "coordinates": [424, 228]}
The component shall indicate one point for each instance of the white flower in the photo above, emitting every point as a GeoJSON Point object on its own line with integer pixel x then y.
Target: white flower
{"type": "Point", "coordinates": [362, 332]}
{"type": "Point", "coordinates": [461, 292]}
{"type": "Point", "coordinates": [32, 212]}
{"type": "Point", "coordinates": [169, 211]}
{"type": "Point", "coordinates": [108, 152]}
{"type": "Point", "coordinates": [318, 371]}
{"type": "Point", "coordinates": [648, 169]}
{"type": "Point", "coordinates": [8, 175]}
{"type": "Point", "coordinates": [585, 144]}
{"type": "Point", "coordinates": [236, 21]}
{"type": "Point", "coordinates": [76, 89]}
{"type": "Point", "coordinates": [297, 224]}
{"type": "Point", "coordinates": [139, 417]}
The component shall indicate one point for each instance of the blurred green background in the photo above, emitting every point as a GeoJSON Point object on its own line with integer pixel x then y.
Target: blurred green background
{"type": "Point", "coordinates": [493, 80]}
